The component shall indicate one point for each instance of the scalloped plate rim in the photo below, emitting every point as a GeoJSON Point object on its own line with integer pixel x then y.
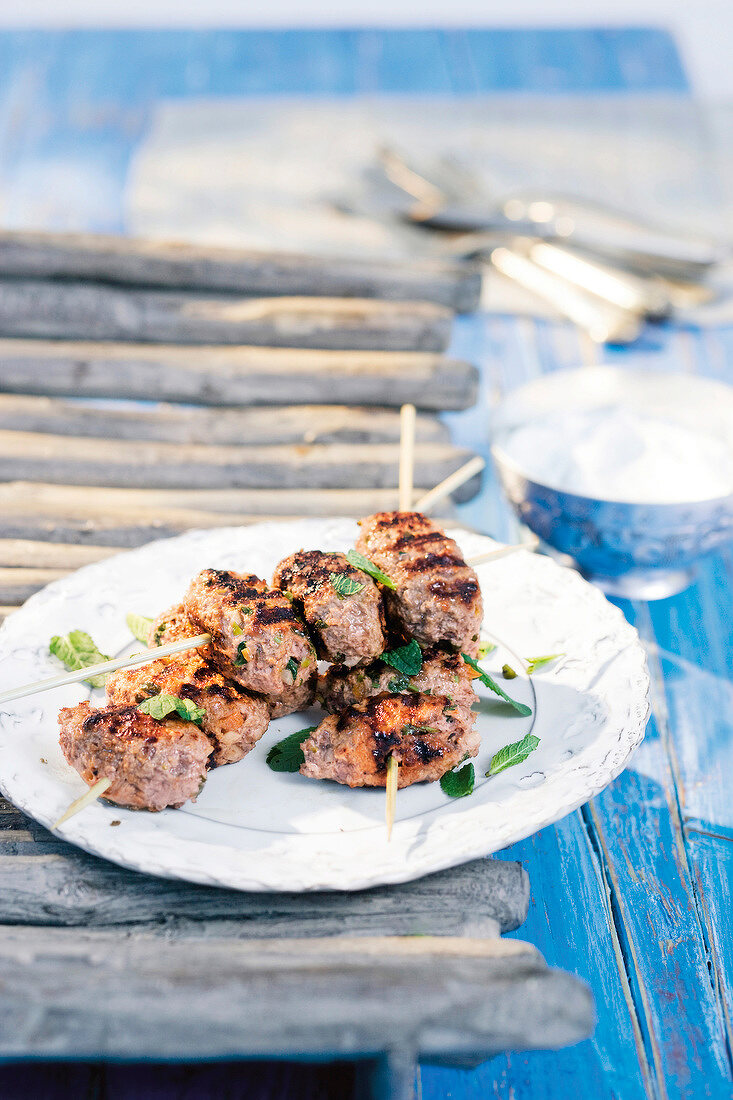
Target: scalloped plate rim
{"type": "Point", "coordinates": [334, 869]}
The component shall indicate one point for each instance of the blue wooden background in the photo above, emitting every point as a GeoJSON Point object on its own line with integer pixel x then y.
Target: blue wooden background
{"type": "Point", "coordinates": [633, 892]}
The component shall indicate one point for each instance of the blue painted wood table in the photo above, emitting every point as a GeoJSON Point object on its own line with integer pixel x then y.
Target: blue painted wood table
{"type": "Point", "coordinates": [633, 891]}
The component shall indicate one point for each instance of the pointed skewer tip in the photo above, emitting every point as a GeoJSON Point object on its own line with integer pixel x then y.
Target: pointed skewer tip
{"type": "Point", "coordinates": [85, 800]}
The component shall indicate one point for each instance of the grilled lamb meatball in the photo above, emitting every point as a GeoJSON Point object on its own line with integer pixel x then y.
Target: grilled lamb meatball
{"type": "Point", "coordinates": [151, 764]}
{"type": "Point", "coordinates": [427, 734]}
{"type": "Point", "coordinates": [174, 625]}
{"type": "Point", "coordinates": [345, 627]}
{"type": "Point", "coordinates": [437, 598]}
{"type": "Point", "coordinates": [258, 641]}
{"type": "Point", "coordinates": [235, 719]}
{"type": "Point", "coordinates": [441, 674]}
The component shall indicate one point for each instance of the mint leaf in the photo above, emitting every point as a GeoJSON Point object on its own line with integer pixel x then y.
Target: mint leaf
{"type": "Point", "coordinates": [398, 685]}
{"type": "Point", "coordinates": [77, 650]}
{"type": "Point", "coordinates": [160, 706]}
{"type": "Point", "coordinates": [360, 562]}
{"type": "Point", "coordinates": [292, 666]}
{"type": "Point", "coordinates": [344, 585]}
{"type": "Point", "coordinates": [533, 663]}
{"type": "Point", "coordinates": [287, 755]}
{"type": "Point", "coordinates": [458, 783]}
{"type": "Point", "coordinates": [407, 659]}
{"type": "Point", "coordinates": [521, 708]}
{"type": "Point", "coordinates": [139, 626]}
{"type": "Point", "coordinates": [513, 754]}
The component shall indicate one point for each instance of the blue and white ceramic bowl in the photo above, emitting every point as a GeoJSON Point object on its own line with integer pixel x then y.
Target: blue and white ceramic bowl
{"type": "Point", "coordinates": [631, 547]}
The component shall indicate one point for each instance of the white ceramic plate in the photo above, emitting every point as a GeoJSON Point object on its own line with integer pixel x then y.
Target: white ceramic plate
{"type": "Point", "coordinates": [254, 829]}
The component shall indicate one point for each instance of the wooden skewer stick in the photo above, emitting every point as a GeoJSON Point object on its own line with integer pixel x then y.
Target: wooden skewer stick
{"type": "Point", "coordinates": [107, 666]}
{"type": "Point", "coordinates": [85, 800]}
{"type": "Point", "coordinates": [149, 655]}
{"type": "Point", "coordinates": [450, 484]}
{"type": "Point", "coordinates": [392, 776]}
{"type": "Point", "coordinates": [407, 463]}
{"type": "Point", "coordinates": [503, 552]}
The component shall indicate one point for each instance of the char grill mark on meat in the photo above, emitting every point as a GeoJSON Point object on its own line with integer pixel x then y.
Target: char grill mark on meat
{"type": "Point", "coordinates": [152, 764]}
{"type": "Point", "coordinates": [437, 597]}
{"type": "Point", "coordinates": [257, 639]}
{"type": "Point", "coordinates": [442, 673]}
{"type": "Point", "coordinates": [235, 719]}
{"type": "Point", "coordinates": [344, 627]}
{"type": "Point", "coordinates": [427, 734]}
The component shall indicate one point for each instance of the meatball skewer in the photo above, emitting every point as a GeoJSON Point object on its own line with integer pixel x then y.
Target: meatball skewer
{"type": "Point", "coordinates": [427, 735]}
{"type": "Point", "coordinates": [436, 596]}
{"type": "Point", "coordinates": [151, 764]}
{"type": "Point", "coordinates": [257, 639]}
{"type": "Point", "coordinates": [234, 719]}
{"type": "Point", "coordinates": [441, 673]}
{"type": "Point", "coordinates": [341, 605]}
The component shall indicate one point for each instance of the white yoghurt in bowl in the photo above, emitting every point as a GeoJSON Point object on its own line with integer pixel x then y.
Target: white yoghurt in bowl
{"type": "Point", "coordinates": [622, 435]}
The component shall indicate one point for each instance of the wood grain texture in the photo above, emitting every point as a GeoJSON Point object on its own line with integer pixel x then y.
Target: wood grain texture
{"type": "Point", "coordinates": [17, 584]}
{"type": "Point", "coordinates": [438, 997]}
{"type": "Point", "coordinates": [30, 554]}
{"type": "Point", "coordinates": [82, 890]}
{"type": "Point", "coordinates": [571, 922]}
{"type": "Point", "coordinates": [130, 517]}
{"type": "Point", "coordinates": [185, 424]}
{"type": "Point", "coordinates": [37, 456]}
{"type": "Point", "coordinates": [567, 877]}
{"type": "Point", "coordinates": [179, 265]}
{"type": "Point", "coordinates": [237, 375]}
{"type": "Point", "coordinates": [78, 311]}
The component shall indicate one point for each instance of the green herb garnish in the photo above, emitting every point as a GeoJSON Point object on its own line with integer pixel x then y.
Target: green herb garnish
{"type": "Point", "coordinates": [521, 708]}
{"type": "Point", "coordinates": [292, 666]}
{"type": "Point", "coordinates": [508, 672]}
{"type": "Point", "coordinates": [407, 659]}
{"type": "Point", "coordinates": [242, 655]}
{"type": "Point", "coordinates": [513, 754]}
{"type": "Point", "coordinates": [360, 562]}
{"type": "Point", "coordinates": [533, 663]}
{"type": "Point", "coordinates": [77, 650]}
{"type": "Point", "coordinates": [287, 755]}
{"type": "Point", "coordinates": [458, 783]}
{"type": "Point", "coordinates": [484, 649]}
{"type": "Point", "coordinates": [139, 626]}
{"type": "Point", "coordinates": [344, 585]}
{"type": "Point", "coordinates": [160, 706]}
{"type": "Point", "coordinates": [408, 729]}
{"type": "Point", "coordinates": [398, 685]}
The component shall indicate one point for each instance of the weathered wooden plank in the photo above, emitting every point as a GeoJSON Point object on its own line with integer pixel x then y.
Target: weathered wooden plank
{"type": "Point", "coordinates": [695, 656]}
{"type": "Point", "coordinates": [186, 424]}
{"type": "Point", "coordinates": [80, 311]}
{"type": "Point", "coordinates": [711, 855]}
{"type": "Point", "coordinates": [181, 265]}
{"type": "Point", "coordinates": [46, 881]}
{"type": "Point", "coordinates": [130, 517]}
{"type": "Point", "coordinates": [235, 375]}
{"type": "Point", "coordinates": [568, 881]}
{"type": "Point", "coordinates": [440, 996]}
{"type": "Point", "coordinates": [16, 585]}
{"type": "Point", "coordinates": [30, 554]}
{"type": "Point", "coordinates": [660, 927]}
{"type": "Point", "coordinates": [37, 456]}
